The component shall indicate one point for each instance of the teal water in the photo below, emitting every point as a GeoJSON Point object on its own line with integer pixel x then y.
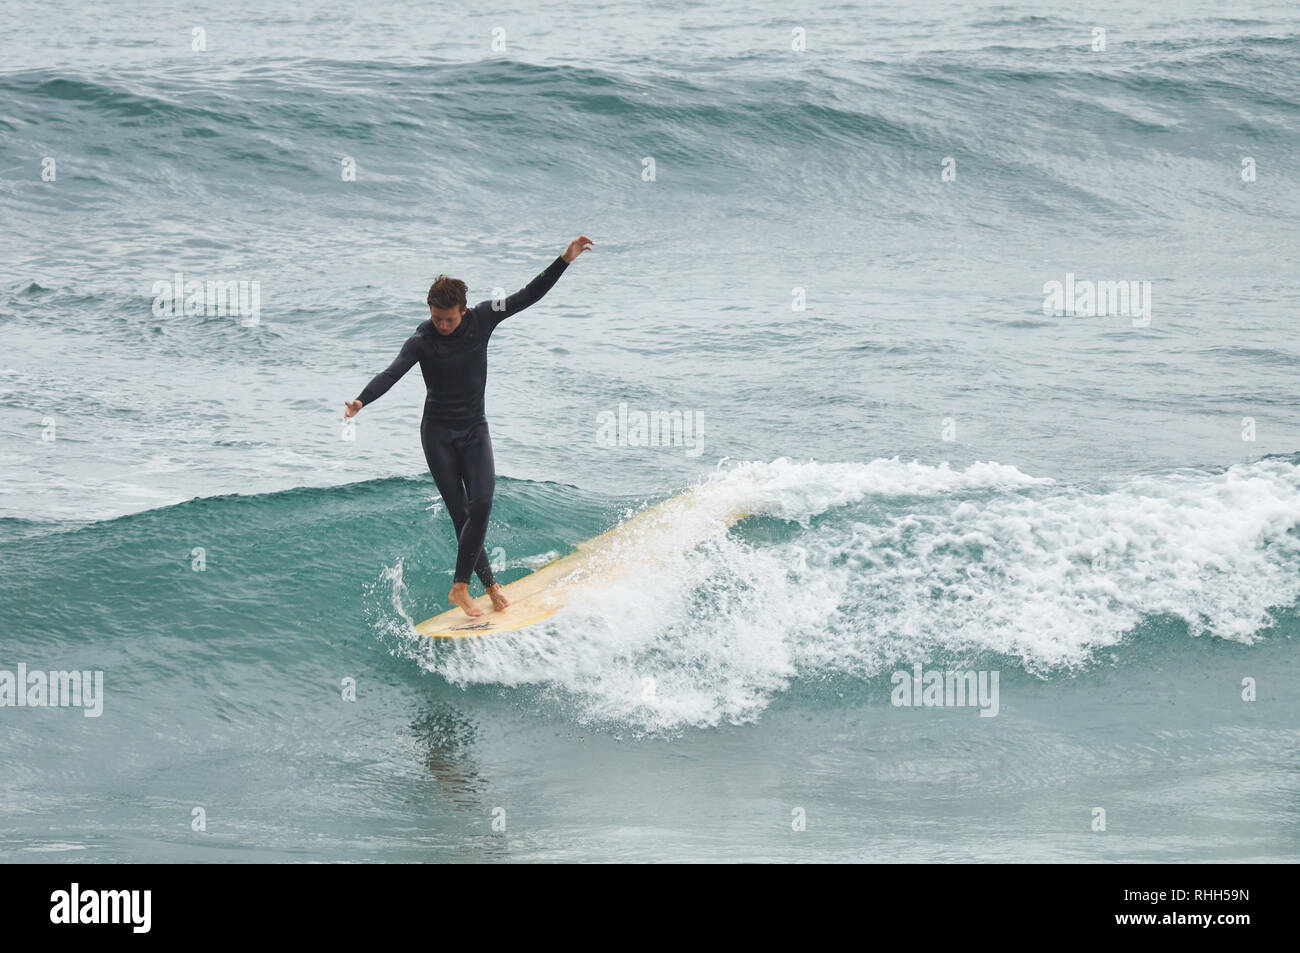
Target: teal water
{"type": "Point", "coordinates": [936, 471]}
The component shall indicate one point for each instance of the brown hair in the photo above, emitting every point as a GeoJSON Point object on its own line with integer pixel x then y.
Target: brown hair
{"type": "Point", "coordinates": [447, 292]}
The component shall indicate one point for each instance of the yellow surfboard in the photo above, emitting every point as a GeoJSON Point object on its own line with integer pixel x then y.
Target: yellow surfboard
{"type": "Point", "coordinates": [674, 526]}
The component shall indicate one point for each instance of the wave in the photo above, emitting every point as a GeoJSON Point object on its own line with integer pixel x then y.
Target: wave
{"type": "Point", "coordinates": [841, 573]}
{"type": "Point", "coordinates": [721, 123]}
{"type": "Point", "coordinates": [845, 571]}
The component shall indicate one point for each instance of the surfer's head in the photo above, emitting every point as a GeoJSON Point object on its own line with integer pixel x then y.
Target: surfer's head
{"type": "Point", "coordinates": [446, 303]}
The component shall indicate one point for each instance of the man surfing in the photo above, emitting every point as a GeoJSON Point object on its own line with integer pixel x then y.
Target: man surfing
{"type": "Point", "coordinates": [451, 349]}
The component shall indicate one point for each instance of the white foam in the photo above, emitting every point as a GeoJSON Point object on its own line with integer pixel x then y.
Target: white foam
{"type": "Point", "coordinates": [940, 562]}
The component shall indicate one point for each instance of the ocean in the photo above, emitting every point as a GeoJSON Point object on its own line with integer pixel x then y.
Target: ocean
{"type": "Point", "coordinates": [984, 313]}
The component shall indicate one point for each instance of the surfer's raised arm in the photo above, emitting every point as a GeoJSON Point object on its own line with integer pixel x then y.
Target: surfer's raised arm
{"type": "Point", "coordinates": [406, 359]}
{"type": "Point", "coordinates": [532, 292]}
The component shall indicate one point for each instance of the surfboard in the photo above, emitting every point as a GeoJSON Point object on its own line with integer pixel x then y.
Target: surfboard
{"type": "Point", "coordinates": [676, 525]}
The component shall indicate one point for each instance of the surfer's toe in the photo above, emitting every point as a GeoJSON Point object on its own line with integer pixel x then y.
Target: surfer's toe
{"type": "Point", "coordinates": [463, 600]}
{"type": "Point", "coordinates": [499, 601]}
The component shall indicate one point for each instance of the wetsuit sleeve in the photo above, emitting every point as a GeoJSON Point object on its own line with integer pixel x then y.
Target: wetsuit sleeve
{"type": "Point", "coordinates": [406, 359]}
{"type": "Point", "coordinates": [530, 294]}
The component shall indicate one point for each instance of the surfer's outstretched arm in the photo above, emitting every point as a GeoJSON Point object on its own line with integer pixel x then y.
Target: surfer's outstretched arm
{"type": "Point", "coordinates": [406, 359]}
{"type": "Point", "coordinates": [532, 292]}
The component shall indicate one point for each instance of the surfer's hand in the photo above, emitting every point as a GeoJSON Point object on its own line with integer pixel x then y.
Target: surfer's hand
{"type": "Point", "coordinates": [576, 247]}
{"type": "Point", "coordinates": [352, 406]}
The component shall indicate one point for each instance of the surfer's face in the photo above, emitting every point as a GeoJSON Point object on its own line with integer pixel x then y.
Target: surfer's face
{"type": "Point", "coordinates": [445, 320]}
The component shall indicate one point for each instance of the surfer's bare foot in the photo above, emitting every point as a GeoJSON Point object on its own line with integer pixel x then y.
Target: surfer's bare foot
{"type": "Point", "coordinates": [460, 595]}
{"type": "Point", "coordinates": [499, 600]}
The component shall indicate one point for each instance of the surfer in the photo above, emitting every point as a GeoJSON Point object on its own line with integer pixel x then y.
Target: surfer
{"type": "Point", "coordinates": [451, 349]}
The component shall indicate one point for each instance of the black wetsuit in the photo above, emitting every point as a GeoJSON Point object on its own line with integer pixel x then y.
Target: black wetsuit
{"type": "Point", "coordinates": [454, 430]}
